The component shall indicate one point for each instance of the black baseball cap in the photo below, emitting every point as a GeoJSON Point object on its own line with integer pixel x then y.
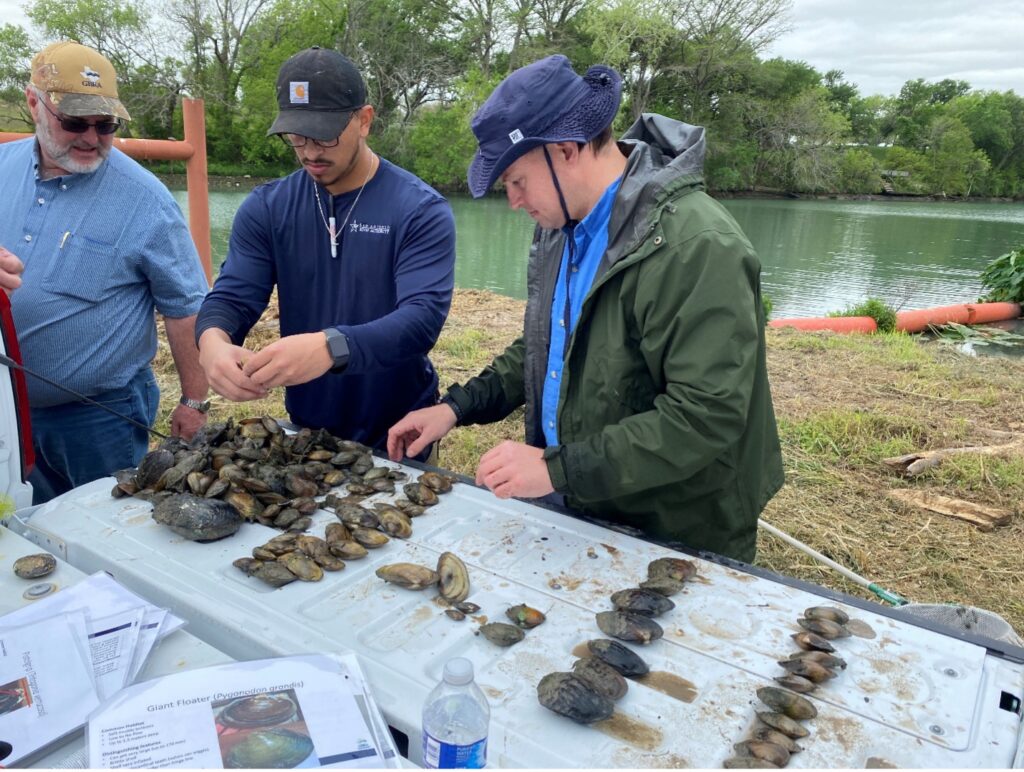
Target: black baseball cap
{"type": "Point", "coordinates": [317, 89]}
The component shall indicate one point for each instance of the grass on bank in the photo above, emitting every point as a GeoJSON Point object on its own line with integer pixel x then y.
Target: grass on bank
{"type": "Point", "coordinates": [843, 402]}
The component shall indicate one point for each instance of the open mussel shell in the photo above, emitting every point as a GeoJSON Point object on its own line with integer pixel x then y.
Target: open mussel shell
{"type": "Point", "coordinates": [35, 566]}
{"type": "Point", "coordinates": [767, 734]}
{"type": "Point", "coordinates": [782, 723]}
{"type": "Point", "coordinates": [810, 642]}
{"type": "Point", "coordinates": [271, 748]}
{"type": "Point", "coordinates": [675, 568]}
{"type": "Point", "coordinates": [629, 627]}
{"type": "Point", "coordinates": [823, 627]}
{"type": "Point", "coordinates": [761, 749]}
{"type": "Point", "coordinates": [640, 601]}
{"type": "Point", "coordinates": [408, 575]}
{"type": "Point", "coordinates": [830, 613]}
{"type": "Point", "coordinates": [524, 616]}
{"type": "Point", "coordinates": [571, 697]}
{"type": "Point", "coordinates": [785, 701]}
{"type": "Point", "coordinates": [258, 710]}
{"type": "Point", "coordinates": [501, 634]}
{"type": "Point", "coordinates": [601, 677]}
{"type": "Point", "coordinates": [623, 659]}
{"type": "Point", "coordinates": [453, 584]}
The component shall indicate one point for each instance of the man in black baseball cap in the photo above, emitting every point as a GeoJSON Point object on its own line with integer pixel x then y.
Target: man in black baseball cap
{"type": "Point", "coordinates": [318, 92]}
{"type": "Point", "coordinates": [363, 256]}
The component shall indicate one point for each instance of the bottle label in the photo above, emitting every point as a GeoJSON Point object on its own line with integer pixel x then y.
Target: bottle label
{"type": "Point", "coordinates": [441, 755]}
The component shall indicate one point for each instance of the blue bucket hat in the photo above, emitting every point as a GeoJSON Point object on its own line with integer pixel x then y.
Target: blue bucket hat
{"type": "Point", "coordinates": [536, 105]}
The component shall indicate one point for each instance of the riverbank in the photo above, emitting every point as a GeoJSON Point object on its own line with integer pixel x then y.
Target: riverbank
{"type": "Point", "coordinates": [843, 404]}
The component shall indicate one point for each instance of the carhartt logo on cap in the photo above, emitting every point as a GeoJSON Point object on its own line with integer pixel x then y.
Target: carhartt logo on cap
{"type": "Point", "coordinates": [298, 92]}
{"type": "Point", "coordinates": [92, 78]}
{"type": "Point", "coordinates": [516, 136]}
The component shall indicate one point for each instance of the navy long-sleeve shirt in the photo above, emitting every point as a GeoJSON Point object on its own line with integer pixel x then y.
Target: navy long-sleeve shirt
{"type": "Point", "coordinates": [388, 290]}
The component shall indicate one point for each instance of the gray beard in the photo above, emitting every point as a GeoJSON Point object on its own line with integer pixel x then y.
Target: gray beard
{"type": "Point", "coordinates": [61, 154]}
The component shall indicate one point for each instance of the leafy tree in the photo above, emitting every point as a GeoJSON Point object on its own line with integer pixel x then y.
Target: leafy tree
{"type": "Point", "coordinates": [15, 56]}
{"type": "Point", "coordinates": [858, 172]}
{"type": "Point", "coordinates": [954, 166]}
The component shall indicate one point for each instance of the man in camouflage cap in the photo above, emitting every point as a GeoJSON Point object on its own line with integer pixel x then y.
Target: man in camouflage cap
{"type": "Point", "coordinates": [90, 244]}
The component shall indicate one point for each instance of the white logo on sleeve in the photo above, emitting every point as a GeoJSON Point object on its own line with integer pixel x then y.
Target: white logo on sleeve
{"type": "Point", "coordinates": [516, 136]}
{"type": "Point", "coordinates": [298, 92]}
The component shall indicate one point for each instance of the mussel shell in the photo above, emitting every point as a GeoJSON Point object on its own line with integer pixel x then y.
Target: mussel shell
{"type": "Point", "coordinates": [420, 494]}
{"type": "Point", "coordinates": [262, 553]}
{"type": "Point", "coordinates": [831, 613]}
{"type": "Point", "coordinates": [785, 701]}
{"type": "Point", "coordinates": [354, 515]}
{"type": "Point", "coordinates": [153, 466]}
{"type": "Point", "coordinates": [301, 524]}
{"type": "Point", "coordinates": [571, 697]}
{"type": "Point", "coordinates": [782, 723]}
{"type": "Point", "coordinates": [273, 573]}
{"type": "Point", "coordinates": [810, 642]}
{"type": "Point", "coordinates": [640, 601]}
{"type": "Point", "coordinates": [311, 545]}
{"type": "Point", "coordinates": [747, 762]}
{"type": "Point", "coordinates": [830, 661]}
{"type": "Point", "coordinates": [198, 519]}
{"type": "Point", "coordinates": [35, 566]}
{"type": "Point", "coordinates": [767, 734]}
{"type": "Point", "coordinates": [663, 585]}
{"type": "Point", "coordinates": [370, 538]}
{"type": "Point", "coordinates": [272, 748]}
{"type": "Point", "coordinates": [454, 578]}
{"type": "Point", "coordinates": [408, 575]}
{"type": "Point", "coordinates": [395, 523]}
{"type": "Point", "coordinates": [467, 608]}
{"type": "Point", "coordinates": [675, 568]}
{"type": "Point", "coordinates": [524, 616]}
{"type": "Point", "coordinates": [796, 683]}
{"type": "Point", "coordinates": [454, 613]}
{"type": "Point", "coordinates": [629, 627]}
{"type": "Point", "coordinates": [336, 532]}
{"type": "Point", "coordinates": [304, 567]}
{"type": "Point", "coordinates": [347, 550]}
{"type": "Point", "coordinates": [247, 566]}
{"type": "Point", "coordinates": [620, 657]}
{"type": "Point", "coordinates": [439, 483]}
{"type": "Point", "coordinates": [761, 749]}
{"type": "Point", "coordinates": [411, 509]}
{"type": "Point", "coordinates": [601, 677]}
{"type": "Point", "coordinates": [812, 671]}
{"type": "Point", "coordinates": [286, 517]}
{"type": "Point", "coordinates": [501, 634]}
{"type": "Point", "coordinates": [823, 627]}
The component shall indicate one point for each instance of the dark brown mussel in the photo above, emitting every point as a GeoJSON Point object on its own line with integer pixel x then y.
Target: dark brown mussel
{"type": "Point", "coordinates": [454, 613]}
{"type": "Point", "coordinates": [35, 566]}
{"type": "Point", "coordinates": [823, 627]}
{"type": "Point", "coordinates": [395, 523]}
{"type": "Point", "coordinates": [420, 494]}
{"type": "Point", "coordinates": [153, 466]}
{"type": "Point", "coordinates": [663, 585]}
{"type": "Point", "coordinates": [785, 701]}
{"type": "Point", "coordinates": [782, 723]}
{"type": "Point", "coordinates": [467, 608]}
{"type": "Point", "coordinates": [675, 568]}
{"type": "Point", "coordinates": [629, 627]}
{"type": "Point", "coordinates": [761, 749]}
{"type": "Point", "coordinates": [831, 613]}
{"type": "Point", "coordinates": [639, 601]}
{"type": "Point", "coordinates": [601, 677]}
{"type": "Point", "coordinates": [571, 697]}
{"type": "Point", "coordinates": [810, 642]}
{"type": "Point", "coordinates": [620, 657]}
{"type": "Point", "coordinates": [247, 566]}
{"type": "Point", "coordinates": [501, 634]}
{"type": "Point", "coordinates": [524, 616]}
{"type": "Point", "coordinates": [273, 573]}
{"type": "Point", "coordinates": [438, 483]}
{"type": "Point", "coordinates": [412, 510]}
{"type": "Point", "coordinates": [302, 566]}
{"type": "Point", "coordinates": [198, 519]}
{"type": "Point", "coordinates": [769, 735]}
{"type": "Point", "coordinates": [812, 671]}
{"type": "Point", "coordinates": [336, 532]}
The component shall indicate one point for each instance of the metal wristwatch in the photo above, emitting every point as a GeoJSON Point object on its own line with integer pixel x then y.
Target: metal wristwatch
{"type": "Point", "coordinates": [337, 347]}
{"type": "Point", "coordinates": [201, 405]}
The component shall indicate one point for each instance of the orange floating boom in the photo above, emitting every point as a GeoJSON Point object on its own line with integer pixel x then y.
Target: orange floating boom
{"type": "Point", "coordinates": [921, 319]}
{"type": "Point", "coordinates": [833, 323]}
{"type": "Point", "coordinates": [980, 313]}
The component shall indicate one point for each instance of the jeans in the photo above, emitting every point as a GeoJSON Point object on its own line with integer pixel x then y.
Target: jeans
{"type": "Point", "coordinates": [77, 443]}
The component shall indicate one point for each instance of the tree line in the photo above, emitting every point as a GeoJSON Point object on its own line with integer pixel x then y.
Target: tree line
{"type": "Point", "coordinates": [773, 124]}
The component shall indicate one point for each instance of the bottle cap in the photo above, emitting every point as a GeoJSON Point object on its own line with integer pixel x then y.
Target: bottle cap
{"type": "Point", "coordinates": [458, 671]}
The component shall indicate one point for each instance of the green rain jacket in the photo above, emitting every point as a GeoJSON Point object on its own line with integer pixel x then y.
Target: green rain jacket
{"type": "Point", "coordinates": [665, 413]}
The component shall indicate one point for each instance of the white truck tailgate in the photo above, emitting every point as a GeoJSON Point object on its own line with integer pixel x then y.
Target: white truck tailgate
{"type": "Point", "coordinates": [911, 697]}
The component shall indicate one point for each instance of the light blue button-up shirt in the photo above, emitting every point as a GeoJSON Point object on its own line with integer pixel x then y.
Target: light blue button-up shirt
{"type": "Point", "coordinates": [591, 240]}
{"type": "Point", "coordinates": [101, 251]}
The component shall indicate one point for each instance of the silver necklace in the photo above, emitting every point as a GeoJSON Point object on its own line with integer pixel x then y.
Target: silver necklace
{"type": "Point", "coordinates": [329, 222]}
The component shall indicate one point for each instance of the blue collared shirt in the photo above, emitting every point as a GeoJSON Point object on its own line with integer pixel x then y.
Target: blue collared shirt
{"type": "Point", "coordinates": [101, 251]}
{"type": "Point", "coordinates": [591, 240]}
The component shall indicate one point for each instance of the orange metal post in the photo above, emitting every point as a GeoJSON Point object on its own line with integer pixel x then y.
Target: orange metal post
{"type": "Point", "coordinates": [197, 181]}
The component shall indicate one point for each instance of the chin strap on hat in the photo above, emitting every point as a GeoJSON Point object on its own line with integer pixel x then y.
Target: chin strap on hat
{"type": "Point", "coordinates": [570, 238]}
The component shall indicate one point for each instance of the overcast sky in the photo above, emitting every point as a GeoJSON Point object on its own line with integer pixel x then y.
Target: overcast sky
{"type": "Point", "coordinates": [880, 44]}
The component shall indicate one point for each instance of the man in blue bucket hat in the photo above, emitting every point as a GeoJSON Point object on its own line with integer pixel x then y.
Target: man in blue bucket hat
{"type": "Point", "coordinates": [642, 359]}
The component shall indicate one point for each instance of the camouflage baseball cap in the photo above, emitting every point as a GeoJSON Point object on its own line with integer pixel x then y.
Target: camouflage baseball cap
{"type": "Point", "coordinates": [78, 80]}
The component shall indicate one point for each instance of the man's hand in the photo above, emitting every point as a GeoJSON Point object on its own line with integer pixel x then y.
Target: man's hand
{"type": "Point", "coordinates": [515, 469]}
{"type": "Point", "coordinates": [290, 361]}
{"type": "Point", "coordinates": [186, 421]}
{"type": "Point", "coordinates": [418, 429]}
{"type": "Point", "coordinates": [222, 362]}
{"type": "Point", "coordinates": [10, 271]}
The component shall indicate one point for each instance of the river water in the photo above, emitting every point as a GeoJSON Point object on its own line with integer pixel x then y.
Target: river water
{"type": "Point", "coordinates": [817, 256]}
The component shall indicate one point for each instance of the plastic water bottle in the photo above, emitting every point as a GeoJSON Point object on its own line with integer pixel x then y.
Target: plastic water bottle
{"type": "Point", "coordinates": [455, 720]}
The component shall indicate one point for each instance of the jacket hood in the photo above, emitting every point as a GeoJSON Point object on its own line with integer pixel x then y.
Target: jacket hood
{"type": "Point", "coordinates": [661, 151]}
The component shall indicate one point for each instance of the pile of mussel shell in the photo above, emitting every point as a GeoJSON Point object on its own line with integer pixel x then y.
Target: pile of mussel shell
{"type": "Point", "coordinates": [772, 740]}
{"type": "Point", "coordinates": [589, 692]}
{"type": "Point", "coordinates": [632, 618]}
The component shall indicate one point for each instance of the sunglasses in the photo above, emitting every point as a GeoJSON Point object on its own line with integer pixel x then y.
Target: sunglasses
{"type": "Point", "coordinates": [79, 126]}
{"type": "Point", "coordinates": [297, 140]}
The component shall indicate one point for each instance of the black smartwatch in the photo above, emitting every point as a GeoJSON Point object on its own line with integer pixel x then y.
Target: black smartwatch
{"type": "Point", "coordinates": [337, 347]}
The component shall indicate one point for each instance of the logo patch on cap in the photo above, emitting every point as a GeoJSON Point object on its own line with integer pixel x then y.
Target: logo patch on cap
{"type": "Point", "coordinates": [516, 136]}
{"type": "Point", "coordinates": [92, 78]}
{"type": "Point", "coordinates": [298, 92]}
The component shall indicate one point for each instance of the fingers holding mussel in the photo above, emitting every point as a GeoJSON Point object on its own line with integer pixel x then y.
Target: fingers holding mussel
{"type": "Point", "coordinates": [570, 696]}
{"type": "Point", "coordinates": [627, 626]}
